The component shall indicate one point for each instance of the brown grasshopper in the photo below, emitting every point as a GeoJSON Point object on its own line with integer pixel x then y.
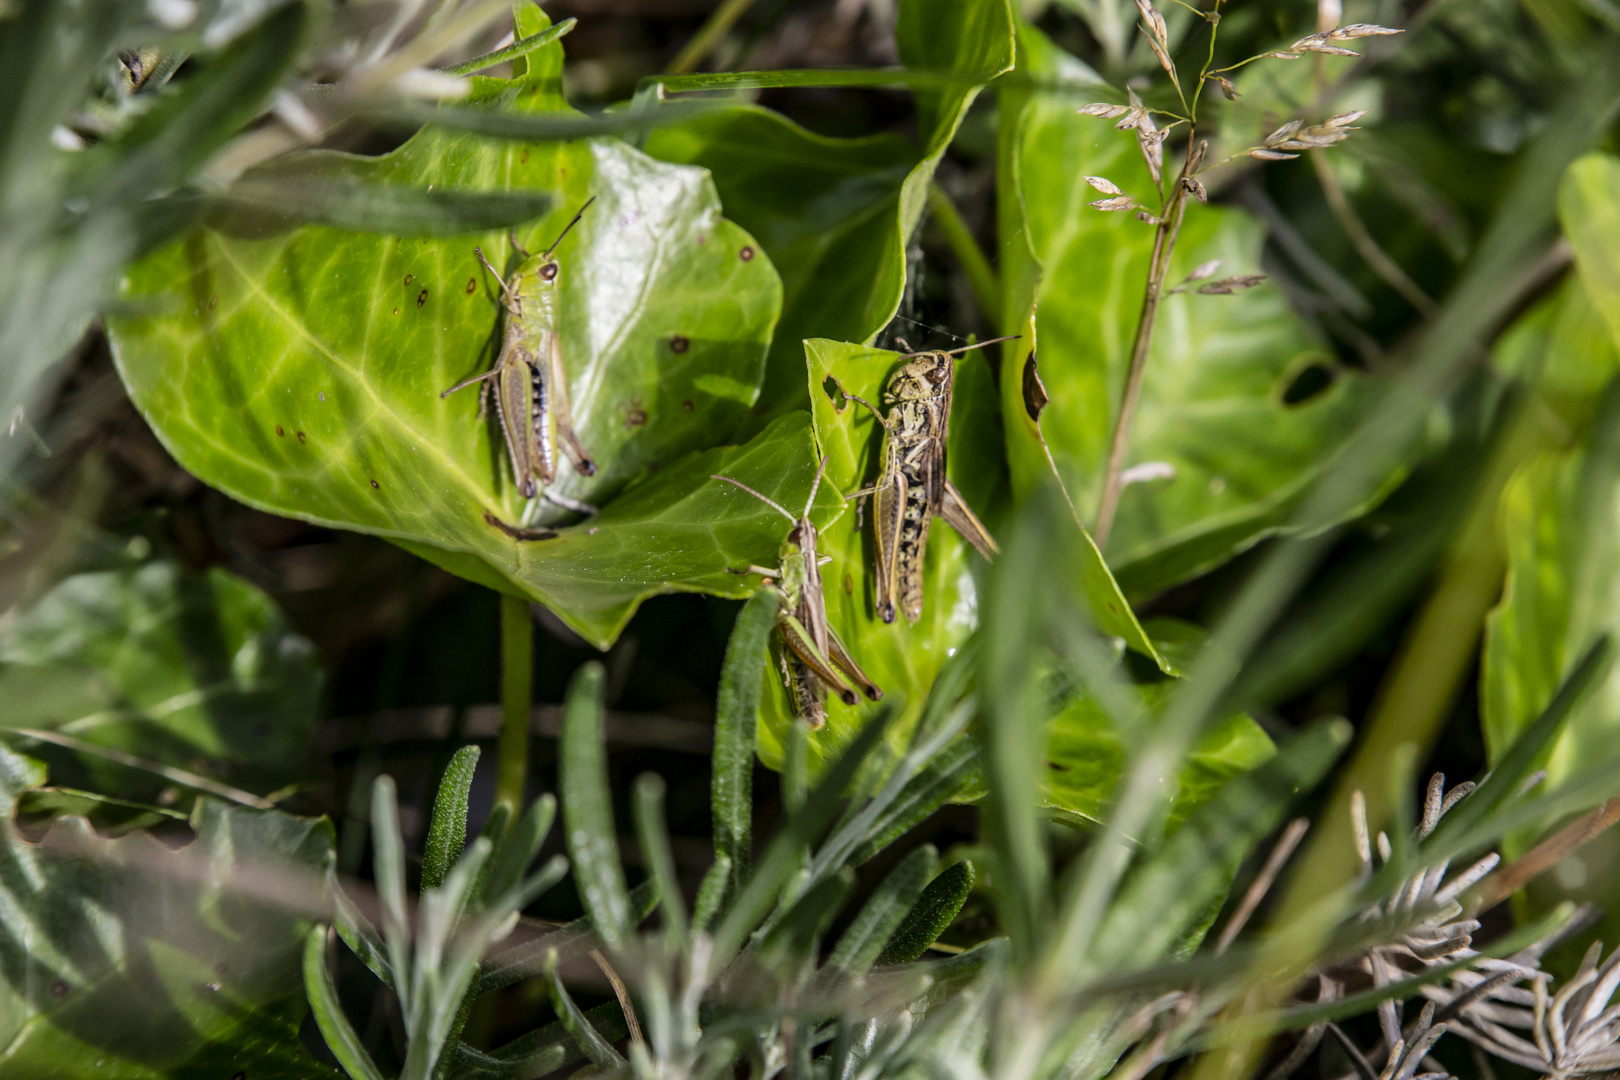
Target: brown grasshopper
{"type": "Point", "coordinates": [529, 382]}
{"type": "Point", "coordinates": [812, 654]}
{"type": "Point", "coordinates": [912, 486]}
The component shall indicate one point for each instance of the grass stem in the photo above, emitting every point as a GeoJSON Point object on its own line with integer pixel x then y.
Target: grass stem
{"type": "Point", "coordinates": [981, 276]}
{"type": "Point", "coordinates": [517, 693]}
{"type": "Point", "coordinates": [1164, 244]}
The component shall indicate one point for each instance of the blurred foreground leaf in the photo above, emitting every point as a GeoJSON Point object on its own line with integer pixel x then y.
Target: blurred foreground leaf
{"type": "Point", "coordinates": [299, 370]}
{"type": "Point", "coordinates": [198, 671]}
{"type": "Point", "coordinates": [122, 958]}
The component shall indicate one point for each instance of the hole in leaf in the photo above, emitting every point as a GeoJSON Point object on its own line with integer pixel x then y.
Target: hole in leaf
{"type": "Point", "coordinates": [1310, 381]}
{"type": "Point", "coordinates": [1035, 395]}
{"type": "Point", "coordinates": [834, 392]}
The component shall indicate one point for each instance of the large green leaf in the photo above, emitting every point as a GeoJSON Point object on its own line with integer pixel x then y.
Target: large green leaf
{"type": "Point", "coordinates": [124, 959]}
{"type": "Point", "coordinates": [1220, 405]}
{"type": "Point", "coordinates": [836, 215]}
{"type": "Point", "coordinates": [194, 670]}
{"type": "Point", "coordinates": [299, 369]}
{"type": "Point", "coordinates": [903, 659]}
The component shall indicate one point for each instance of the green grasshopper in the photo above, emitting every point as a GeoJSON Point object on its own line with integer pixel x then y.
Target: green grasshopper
{"type": "Point", "coordinates": [912, 486]}
{"type": "Point", "coordinates": [529, 382]}
{"type": "Point", "coordinates": [813, 658]}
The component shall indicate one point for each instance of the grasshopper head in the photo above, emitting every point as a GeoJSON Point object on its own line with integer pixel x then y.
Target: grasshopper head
{"type": "Point", "coordinates": [923, 377]}
{"type": "Point", "coordinates": [802, 537]}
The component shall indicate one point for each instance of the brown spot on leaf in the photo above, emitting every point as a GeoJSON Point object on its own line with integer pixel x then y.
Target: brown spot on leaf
{"type": "Point", "coordinates": [1035, 395]}
{"type": "Point", "coordinates": [213, 302]}
{"type": "Point", "coordinates": [280, 432]}
{"type": "Point", "coordinates": [421, 298]}
{"type": "Point", "coordinates": [472, 286]}
{"type": "Point", "coordinates": [409, 278]}
{"type": "Point", "coordinates": [376, 485]}
{"type": "Point", "coordinates": [686, 406]}
{"type": "Point", "coordinates": [849, 584]}
{"type": "Point", "coordinates": [746, 254]}
{"type": "Point", "coordinates": [301, 437]}
{"type": "Point", "coordinates": [524, 157]}
{"type": "Point", "coordinates": [396, 311]}
{"type": "Point", "coordinates": [679, 344]}
{"type": "Point", "coordinates": [636, 416]}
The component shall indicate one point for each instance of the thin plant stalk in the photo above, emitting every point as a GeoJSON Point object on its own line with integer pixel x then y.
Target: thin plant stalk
{"type": "Point", "coordinates": [708, 36]}
{"type": "Point", "coordinates": [517, 694]}
{"type": "Point", "coordinates": [1164, 245]}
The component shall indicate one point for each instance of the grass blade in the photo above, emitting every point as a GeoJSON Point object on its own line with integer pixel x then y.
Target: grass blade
{"type": "Point", "coordinates": [389, 870]}
{"type": "Point", "coordinates": [655, 852]}
{"type": "Point", "coordinates": [339, 1034]}
{"type": "Point", "coordinates": [585, 1036]}
{"type": "Point", "coordinates": [512, 51]}
{"type": "Point", "coordinates": [736, 714]}
{"type": "Point", "coordinates": [929, 917]}
{"type": "Point", "coordinates": [784, 855]}
{"type": "Point", "coordinates": [518, 848]}
{"type": "Point", "coordinates": [873, 929]}
{"type": "Point", "coordinates": [447, 834]}
{"type": "Point", "coordinates": [587, 807]}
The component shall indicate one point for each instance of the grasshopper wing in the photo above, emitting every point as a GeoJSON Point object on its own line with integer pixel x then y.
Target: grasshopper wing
{"type": "Point", "coordinates": [888, 519]}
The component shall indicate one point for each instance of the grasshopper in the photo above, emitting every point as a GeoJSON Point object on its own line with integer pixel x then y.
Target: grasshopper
{"type": "Point", "coordinates": [528, 381]}
{"type": "Point", "coordinates": [912, 486]}
{"type": "Point", "coordinates": [813, 658]}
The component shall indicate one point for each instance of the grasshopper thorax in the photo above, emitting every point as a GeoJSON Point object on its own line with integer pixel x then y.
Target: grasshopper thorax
{"type": "Point", "coordinates": [926, 376]}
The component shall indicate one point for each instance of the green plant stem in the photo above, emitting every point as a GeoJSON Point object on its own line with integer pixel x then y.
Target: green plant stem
{"type": "Point", "coordinates": [986, 288]}
{"type": "Point", "coordinates": [708, 36]}
{"type": "Point", "coordinates": [517, 694]}
{"type": "Point", "coordinates": [1164, 245]}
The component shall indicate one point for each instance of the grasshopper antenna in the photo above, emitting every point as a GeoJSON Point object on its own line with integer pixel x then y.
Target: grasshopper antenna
{"type": "Point", "coordinates": [546, 254]}
{"type": "Point", "coordinates": [975, 345]}
{"type": "Point", "coordinates": [811, 501]}
{"type": "Point", "coordinates": [768, 502]}
{"type": "Point", "coordinates": [496, 274]}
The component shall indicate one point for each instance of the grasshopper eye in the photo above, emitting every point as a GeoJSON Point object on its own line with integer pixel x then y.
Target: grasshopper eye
{"type": "Point", "coordinates": [937, 375]}
{"type": "Point", "coordinates": [548, 272]}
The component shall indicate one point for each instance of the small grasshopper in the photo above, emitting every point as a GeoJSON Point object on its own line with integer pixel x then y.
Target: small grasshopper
{"type": "Point", "coordinates": [528, 381]}
{"type": "Point", "coordinates": [912, 486]}
{"type": "Point", "coordinates": [812, 654]}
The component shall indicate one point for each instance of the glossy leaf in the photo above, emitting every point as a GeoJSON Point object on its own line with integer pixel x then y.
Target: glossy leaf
{"type": "Point", "coordinates": [194, 670]}
{"type": "Point", "coordinates": [1241, 402]}
{"type": "Point", "coordinates": [124, 958]}
{"type": "Point", "coordinates": [300, 369]}
{"type": "Point", "coordinates": [902, 659]}
{"type": "Point", "coordinates": [835, 215]}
